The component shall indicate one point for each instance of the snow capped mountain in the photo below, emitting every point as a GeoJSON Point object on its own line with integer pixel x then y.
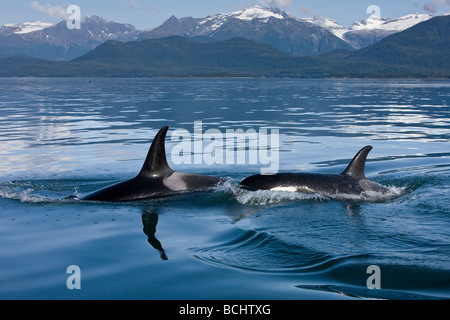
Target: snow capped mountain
{"type": "Point", "coordinates": [328, 24]}
{"type": "Point", "coordinates": [257, 12]}
{"type": "Point", "coordinates": [373, 29]}
{"type": "Point", "coordinates": [57, 42]}
{"type": "Point", "coordinates": [101, 30]}
{"type": "Point", "coordinates": [27, 27]}
{"type": "Point", "coordinates": [195, 27]}
{"type": "Point", "coordinates": [215, 21]}
{"type": "Point", "coordinates": [269, 25]}
{"type": "Point", "coordinates": [370, 30]}
{"type": "Point", "coordinates": [285, 32]}
{"type": "Point", "coordinates": [257, 21]}
{"type": "Point", "coordinates": [389, 24]}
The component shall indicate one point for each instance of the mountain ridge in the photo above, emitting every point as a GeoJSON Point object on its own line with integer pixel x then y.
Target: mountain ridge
{"type": "Point", "coordinates": [57, 42]}
{"type": "Point", "coordinates": [421, 51]}
{"type": "Point", "coordinates": [273, 26]}
{"type": "Point", "coordinates": [310, 36]}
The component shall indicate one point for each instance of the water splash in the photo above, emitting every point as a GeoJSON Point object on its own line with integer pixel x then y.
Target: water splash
{"type": "Point", "coordinates": [263, 197]}
{"type": "Point", "coordinates": [372, 196]}
{"type": "Point", "coordinates": [48, 191]}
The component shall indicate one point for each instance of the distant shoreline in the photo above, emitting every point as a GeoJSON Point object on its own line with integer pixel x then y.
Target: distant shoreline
{"type": "Point", "coordinates": [405, 77]}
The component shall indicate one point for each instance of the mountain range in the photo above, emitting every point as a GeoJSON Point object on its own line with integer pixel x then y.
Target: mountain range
{"type": "Point", "coordinates": [57, 42]}
{"type": "Point", "coordinates": [419, 51]}
{"type": "Point", "coordinates": [283, 31]}
{"type": "Point", "coordinates": [272, 26]}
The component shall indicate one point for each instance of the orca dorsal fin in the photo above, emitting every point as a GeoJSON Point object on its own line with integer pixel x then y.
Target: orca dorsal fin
{"type": "Point", "coordinates": [356, 168]}
{"type": "Point", "coordinates": [156, 158]}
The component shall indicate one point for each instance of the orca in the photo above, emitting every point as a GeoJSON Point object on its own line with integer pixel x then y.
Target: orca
{"type": "Point", "coordinates": [156, 179]}
{"type": "Point", "coordinates": [351, 181]}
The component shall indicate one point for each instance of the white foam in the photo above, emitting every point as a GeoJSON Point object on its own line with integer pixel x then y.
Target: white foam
{"type": "Point", "coordinates": [264, 197]}
{"type": "Point", "coordinates": [371, 196]}
{"type": "Point", "coordinates": [25, 195]}
{"type": "Point", "coordinates": [287, 189]}
{"type": "Point", "coordinates": [26, 192]}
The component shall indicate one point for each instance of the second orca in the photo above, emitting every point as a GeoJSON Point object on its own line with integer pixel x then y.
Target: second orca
{"type": "Point", "coordinates": [352, 181]}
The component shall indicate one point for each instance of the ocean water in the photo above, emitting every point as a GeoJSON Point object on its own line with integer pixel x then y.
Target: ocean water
{"type": "Point", "coordinates": [63, 137]}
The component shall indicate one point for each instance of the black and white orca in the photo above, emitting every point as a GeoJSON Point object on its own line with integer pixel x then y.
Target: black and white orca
{"type": "Point", "coordinates": [352, 181]}
{"type": "Point", "coordinates": [156, 179]}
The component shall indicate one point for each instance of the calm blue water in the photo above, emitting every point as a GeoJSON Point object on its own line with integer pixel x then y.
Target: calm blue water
{"type": "Point", "coordinates": [60, 137]}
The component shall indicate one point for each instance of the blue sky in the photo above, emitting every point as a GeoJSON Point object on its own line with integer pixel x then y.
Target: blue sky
{"type": "Point", "coordinates": [147, 14]}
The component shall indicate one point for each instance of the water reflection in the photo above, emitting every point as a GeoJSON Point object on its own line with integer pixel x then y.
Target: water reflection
{"type": "Point", "coordinates": [45, 122]}
{"type": "Point", "coordinates": [149, 221]}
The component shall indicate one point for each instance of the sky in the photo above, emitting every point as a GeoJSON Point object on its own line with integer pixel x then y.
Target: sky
{"type": "Point", "coordinates": [144, 14]}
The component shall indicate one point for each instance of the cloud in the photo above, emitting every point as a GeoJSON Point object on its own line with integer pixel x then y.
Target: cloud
{"type": "Point", "coordinates": [277, 3]}
{"type": "Point", "coordinates": [432, 7]}
{"type": "Point", "coordinates": [51, 11]}
{"type": "Point", "coordinates": [305, 10]}
{"type": "Point", "coordinates": [156, 9]}
{"type": "Point", "coordinates": [132, 3]}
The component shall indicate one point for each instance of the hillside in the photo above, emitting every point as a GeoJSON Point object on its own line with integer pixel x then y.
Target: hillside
{"type": "Point", "coordinates": [426, 45]}
{"type": "Point", "coordinates": [172, 56]}
{"type": "Point", "coordinates": [176, 56]}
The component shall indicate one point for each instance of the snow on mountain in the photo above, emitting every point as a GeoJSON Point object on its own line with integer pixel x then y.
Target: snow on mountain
{"type": "Point", "coordinates": [257, 12]}
{"type": "Point", "coordinates": [328, 24]}
{"type": "Point", "coordinates": [101, 29]}
{"type": "Point", "coordinates": [215, 21]}
{"type": "Point", "coordinates": [269, 25]}
{"type": "Point", "coordinates": [27, 27]}
{"type": "Point", "coordinates": [370, 30]}
{"type": "Point", "coordinates": [247, 14]}
{"type": "Point", "coordinates": [390, 24]}
{"type": "Point", "coordinates": [287, 33]}
{"type": "Point", "coordinates": [57, 42]}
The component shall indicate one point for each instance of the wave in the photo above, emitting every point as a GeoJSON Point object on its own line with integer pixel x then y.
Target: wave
{"type": "Point", "coordinates": [321, 267]}
{"type": "Point", "coordinates": [40, 191]}
{"type": "Point", "coordinates": [257, 251]}
{"type": "Point", "coordinates": [365, 293]}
